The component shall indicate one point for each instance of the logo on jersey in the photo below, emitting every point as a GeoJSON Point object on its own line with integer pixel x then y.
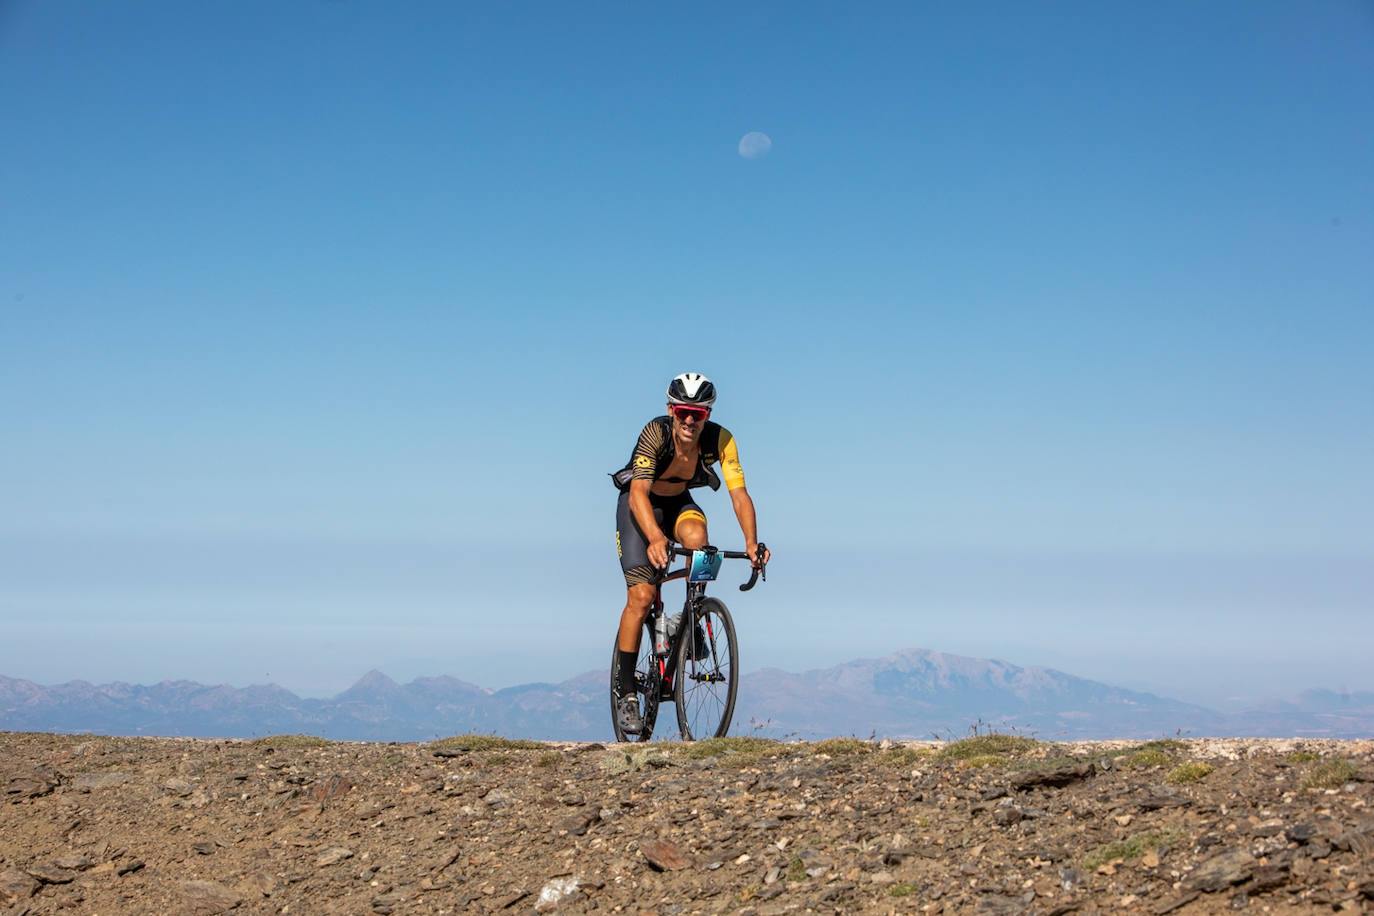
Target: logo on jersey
{"type": "Point", "coordinates": [643, 461]}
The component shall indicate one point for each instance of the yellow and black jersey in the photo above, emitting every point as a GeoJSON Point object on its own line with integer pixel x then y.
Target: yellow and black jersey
{"type": "Point", "coordinates": [654, 454]}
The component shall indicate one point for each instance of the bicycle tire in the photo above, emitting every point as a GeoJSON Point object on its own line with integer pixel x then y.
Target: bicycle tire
{"type": "Point", "coordinates": [704, 689]}
{"type": "Point", "coordinates": [648, 685]}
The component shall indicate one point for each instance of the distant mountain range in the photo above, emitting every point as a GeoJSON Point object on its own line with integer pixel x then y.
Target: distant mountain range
{"type": "Point", "coordinates": [910, 694]}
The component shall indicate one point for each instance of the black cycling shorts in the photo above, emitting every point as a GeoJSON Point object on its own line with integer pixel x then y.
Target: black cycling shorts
{"type": "Point", "coordinates": [630, 542]}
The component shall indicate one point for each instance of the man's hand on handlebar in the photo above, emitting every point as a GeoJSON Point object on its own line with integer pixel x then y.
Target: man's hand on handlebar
{"type": "Point", "coordinates": [753, 551]}
{"type": "Point", "coordinates": [658, 552]}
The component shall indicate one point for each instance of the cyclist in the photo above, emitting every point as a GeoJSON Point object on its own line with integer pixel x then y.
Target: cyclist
{"type": "Point", "coordinates": [674, 454]}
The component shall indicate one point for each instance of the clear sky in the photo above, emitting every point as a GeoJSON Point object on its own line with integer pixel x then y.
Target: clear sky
{"type": "Point", "coordinates": [1045, 330]}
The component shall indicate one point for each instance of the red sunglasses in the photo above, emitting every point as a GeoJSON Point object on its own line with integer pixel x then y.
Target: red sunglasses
{"type": "Point", "coordinates": [690, 413]}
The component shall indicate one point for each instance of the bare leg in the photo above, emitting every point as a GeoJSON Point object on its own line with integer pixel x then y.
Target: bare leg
{"type": "Point", "coordinates": [637, 601]}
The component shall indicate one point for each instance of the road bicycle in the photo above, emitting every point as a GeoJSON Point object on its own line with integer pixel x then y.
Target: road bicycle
{"type": "Point", "coordinates": [699, 669]}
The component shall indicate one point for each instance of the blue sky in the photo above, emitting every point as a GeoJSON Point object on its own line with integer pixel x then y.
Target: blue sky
{"type": "Point", "coordinates": [1044, 330]}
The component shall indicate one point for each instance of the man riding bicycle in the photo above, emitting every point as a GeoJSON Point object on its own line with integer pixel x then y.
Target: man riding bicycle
{"type": "Point", "coordinates": [674, 454]}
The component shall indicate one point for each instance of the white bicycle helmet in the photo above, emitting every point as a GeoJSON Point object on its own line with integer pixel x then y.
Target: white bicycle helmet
{"type": "Point", "coordinates": [692, 389]}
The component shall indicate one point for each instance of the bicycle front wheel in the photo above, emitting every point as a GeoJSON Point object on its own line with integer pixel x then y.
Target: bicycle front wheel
{"type": "Point", "coordinates": [707, 672]}
{"type": "Point", "coordinates": [648, 686]}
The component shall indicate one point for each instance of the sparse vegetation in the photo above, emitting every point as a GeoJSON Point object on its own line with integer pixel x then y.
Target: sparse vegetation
{"type": "Point", "coordinates": [657, 755]}
{"type": "Point", "coordinates": [1303, 757]}
{"type": "Point", "coordinates": [905, 889]}
{"type": "Point", "coordinates": [1188, 772]}
{"type": "Point", "coordinates": [548, 760]}
{"type": "Point", "coordinates": [719, 747]}
{"type": "Point", "coordinates": [1143, 760]}
{"type": "Point", "coordinates": [984, 760]}
{"type": "Point", "coordinates": [483, 743]}
{"type": "Point", "coordinates": [1157, 753]}
{"type": "Point", "coordinates": [1133, 847]}
{"type": "Point", "coordinates": [1164, 745]}
{"type": "Point", "coordinates": [1331, 775]}
{"type": "Point", "coordinates": [1002, 746]}
{"type": "Point", "coordinates": [843, 747]}
{"type": "Point", "coordinates": [292, 741]}
{"type": "Point", "coordinates": [796, 869]}
{"type": "Point", "coordinates": [497, 760]}
{"type": "Point", "coordinates": [900, 756]}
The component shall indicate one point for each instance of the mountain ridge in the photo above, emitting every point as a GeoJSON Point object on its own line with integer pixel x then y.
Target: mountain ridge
{"type": "Point", "coordinates": [911, 693]}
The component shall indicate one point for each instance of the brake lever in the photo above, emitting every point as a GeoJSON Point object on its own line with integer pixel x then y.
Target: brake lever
{"type": "Point", "coordinates": [760, 570]}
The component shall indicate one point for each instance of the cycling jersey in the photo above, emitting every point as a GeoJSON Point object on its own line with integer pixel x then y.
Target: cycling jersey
{"type": "Point", "coordinates": [654, 452]}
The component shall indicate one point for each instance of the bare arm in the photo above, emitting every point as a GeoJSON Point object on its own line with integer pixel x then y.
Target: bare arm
{"type": "Point", "coordinates": [643, 512]}
{"type": "Point", "coordinates": [744, 511]}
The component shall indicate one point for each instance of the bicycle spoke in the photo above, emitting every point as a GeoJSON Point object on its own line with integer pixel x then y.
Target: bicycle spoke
{"type": "Point", "coordinates": [706, 687]}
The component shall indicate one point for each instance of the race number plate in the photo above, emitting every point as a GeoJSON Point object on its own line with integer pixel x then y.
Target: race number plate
{"type": "Point", "coordinates": [704, 566]}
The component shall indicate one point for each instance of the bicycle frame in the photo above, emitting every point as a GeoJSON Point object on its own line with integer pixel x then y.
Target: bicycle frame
{"type": "Point", "coordinates": [702, 654]}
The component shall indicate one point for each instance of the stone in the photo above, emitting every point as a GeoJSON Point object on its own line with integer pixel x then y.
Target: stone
{"type": "Point", "coordinates": [1303, 833]}
{"type": "Point", "coordinates": [34, 785]}
{"type": "Point", "coordinates": [330, 789]}
{"type": "Point", "coordinates": [207, 898]}
{"type": "Point", "coordinates": [1226, 868]}
{"type": "Point", "coordinates": [1169, 904]}
{"type": "Point", "coordinates": [578, 824]}
{"type": "Point", "coordinates": [74, 863]}
{"type": "Point", "coordinates": [15, 886]}
{"type": "Point", "coordinates": [87, 782]}
{"type": "Point", "coordinates": [1163, 799]}
{"type": "Point", "coordinates": [51, 874]}
{"type": "Point", "coordinates": [556, 891]}
{"type": "Point", "coordinates": [332, 856]}
{"type": "Point", "coordinates": [664, 855]}
{"type": "Point", "coordinates": [1056, 778]}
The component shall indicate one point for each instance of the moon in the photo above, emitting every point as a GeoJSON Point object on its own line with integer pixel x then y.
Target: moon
{"type": "Point", "coordinates": [755, 145]}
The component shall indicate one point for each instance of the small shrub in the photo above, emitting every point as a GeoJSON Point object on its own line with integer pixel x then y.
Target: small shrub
{"type": "Point", "coordinates": [1303, 757]}
{"type": "Point", "coordinates": [984, 760]}
{"type": "Point", "coordinates": [616, 762]}
{"type": "Point", "coordinates": [905, 889]}
{"type": "Point", "coordinates": [292, 741]}
{"type": "Point", "coordinates": [548, 760]}
{"type": "Point", "coordinates": [985, 745]}
{"type": "Point", "coordinates": [796, 869]}
{"type": "Point", "coordinates": [1143, 760]}
{"type": "Point", "coordinates": [497, 760]}
{"type": "Point", "coordinates": [716, 747]}
{"type": "Point", "coordinates": [1331, 775]}
{"type": "Point", "coordinates": [843, 747]}
{"type": "Point", "coordinates": [900, 756]}
{"type": "Point", "coordinates": [1164, 745]}
{"type": "Point", "coordinates": [1188, 772]}
{"type": "Point", "coordinates": [483, 743]}
{"type": "Point", "coordinates": [1133, 847]}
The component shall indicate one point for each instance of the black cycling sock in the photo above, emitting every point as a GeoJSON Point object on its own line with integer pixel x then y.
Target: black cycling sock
{"type": "Point", "coordinates": [627, 673]}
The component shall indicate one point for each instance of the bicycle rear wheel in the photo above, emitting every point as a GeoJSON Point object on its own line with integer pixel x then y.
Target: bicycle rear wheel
{"type": "Point", "coordinates": [648, 684]}
{"type": "Point", "coordinates": [704, 687]}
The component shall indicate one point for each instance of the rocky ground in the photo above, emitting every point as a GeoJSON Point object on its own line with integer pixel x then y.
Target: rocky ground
{"type": "Point", "coordinates": [994, 824]}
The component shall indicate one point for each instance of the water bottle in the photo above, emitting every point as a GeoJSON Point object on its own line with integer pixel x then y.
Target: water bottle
{"type": "Point", "coordinates": [661, 635]}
